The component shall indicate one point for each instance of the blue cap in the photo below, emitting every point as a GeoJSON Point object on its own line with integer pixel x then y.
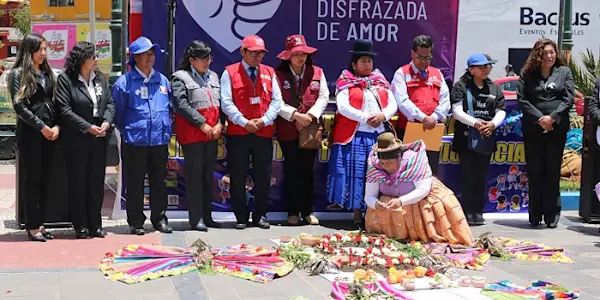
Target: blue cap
{"type": "Point", "coordinates": [478, 59]}
{"type": "Point", "coordinates": [141, 45]}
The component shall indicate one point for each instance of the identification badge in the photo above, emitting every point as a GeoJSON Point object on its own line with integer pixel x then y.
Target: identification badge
{"type": "Point", "coordinates": [255, 100]}
{"type": "Point", "coordinates": [144, 92]}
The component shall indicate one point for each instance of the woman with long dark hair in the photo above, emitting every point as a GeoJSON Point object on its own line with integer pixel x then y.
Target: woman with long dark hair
{"type": "Point", "coordinates": [198, 125]}
{"type": "Point", "coordinates": [305, 95]}
{"type": "Point", "coordinates": [31, 86]}
{"type": "Point", "coordinates": [86, 111]}
{"type": "Point", "coordinates": [364, 104]}
{"type": "Point", "coordinates": [478, 106]}
{"type": "Point", "coordinates": [545, 93]}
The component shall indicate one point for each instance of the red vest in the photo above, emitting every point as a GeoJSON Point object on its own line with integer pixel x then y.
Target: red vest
{"type": "Point", "coordinates": [309, 93]}
{"type": "Point", "coordinates": [187, 133]}
{"type": "Point", "coordinates": [344, 128]}
{"type": "Point", "coordinates": [242, 90]}
{"type": "Point", "coordinates": [423, 92]}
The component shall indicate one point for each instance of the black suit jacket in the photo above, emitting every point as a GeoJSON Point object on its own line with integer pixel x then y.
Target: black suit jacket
{"type": "Point", "coordinates": [75, 107]}
{"type": "Point", "coordinates": [552, 98]}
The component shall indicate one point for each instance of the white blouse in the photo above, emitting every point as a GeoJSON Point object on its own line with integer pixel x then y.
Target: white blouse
{"type": "Point", "coordinates": [370, 108]}
{"type": "Point", "coordinates": [421, 190]}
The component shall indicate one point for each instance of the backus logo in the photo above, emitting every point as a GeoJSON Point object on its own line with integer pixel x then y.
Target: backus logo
{"type": "Point", "coordinates": [529, 16]}
{"type": "Point", "coordinates": [229, 21]}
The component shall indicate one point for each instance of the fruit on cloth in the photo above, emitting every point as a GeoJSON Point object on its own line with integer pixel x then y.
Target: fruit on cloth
{"type": "Point", "coordinates": [430, 272]}
{"type": "Point", "coordinates": [392, 279]}
{"type": "Point", "coordinates": [420, 272]}
{"type": "Point", "coordinates": [360, 274]}
{"type": "Point", "coordinates": [392, 271]}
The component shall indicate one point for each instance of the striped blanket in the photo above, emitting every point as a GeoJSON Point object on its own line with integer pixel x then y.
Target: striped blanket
{"type": "Point", "coordinates": [348, 79]}
{"type": "Point", "coordinates": [415, 168]}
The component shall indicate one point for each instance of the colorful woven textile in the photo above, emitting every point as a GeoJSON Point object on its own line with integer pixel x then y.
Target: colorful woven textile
{"type": "Point", "coordinates": [527, 250]}
{"type": "Point", "coordinates": [414, 169]}
{"type": "Point", "coordinates": [467, 258]}
{"type": "Point", "coordinates": [538, 290]}
{"type": "Point", "coordinates": [348, 79]}
{"type": "Point", "coordinates": [138, 263]}
{"type": "Point", "coordinates": [251, 263]}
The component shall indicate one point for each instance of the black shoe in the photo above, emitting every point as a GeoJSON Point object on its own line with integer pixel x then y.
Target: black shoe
{"type": "Point", "coordinates": [211, 224]}
{"type": "Point", "coordinates": [47, 235]}
{"type": "Point", "coordinates": [552, 225]}
{"type": "Point", "coordinates": [38, 237]}
{"type": "Point", "coordinates": [200, 226]}
{"type": "Point", "coordinates": [470, 219]}
{"type": "Point", "coordinates": [163, 227]}
{"type": "Point", "coordinates": [262, 223]}
{"type": "Point", "coordinates": [137, 230]}
{"type": "Point", "coordinates": [479, 220]}
{"type": "Point", "coordinates": [241, 226]}
{"type": "Point", "coordinates": [99, 233]}
{"type": "Point", "coordinates": [534, 224]}
{"type": "Point", "coordinates": [81, 233]}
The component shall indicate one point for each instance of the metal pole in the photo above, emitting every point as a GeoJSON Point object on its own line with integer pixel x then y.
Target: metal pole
{"type": "Point", "coordinates": [561, 23]}
{"type": "Point", "coordinates": [124, 34]}
{"type": "Point", "coordinates": [93, 22]}
{"type": "Point", "coordinates": [171, 7]}
{"type": "Point", "coordinates": [116, 38]}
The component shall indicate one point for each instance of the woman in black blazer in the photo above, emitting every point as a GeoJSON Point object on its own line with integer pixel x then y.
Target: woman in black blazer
{"type": "Point", "coordinates": [545, 93]}
{"type": "Point", "coordinates": [86, 110]}
{"type": "Point", "coordinates": [31, 86]}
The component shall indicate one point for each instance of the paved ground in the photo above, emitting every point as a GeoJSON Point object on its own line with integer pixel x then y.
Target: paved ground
{"type": "Point", "coordinates": [67, 268]}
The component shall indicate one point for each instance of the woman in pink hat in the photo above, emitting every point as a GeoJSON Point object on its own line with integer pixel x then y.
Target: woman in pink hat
{"type": "Point", "coordinates": [305, 94]}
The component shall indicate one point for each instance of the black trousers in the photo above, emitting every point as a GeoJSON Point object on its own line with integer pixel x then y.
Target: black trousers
{"type": "Point", "coordinates": [432, 156]}
{"type": "Point", "coordinates": [543, 155]}
{"type": "Point", "coordinates": [473, 180]}
{"type": "Point", "coordinates": [35, 159]}
{"type": "Point", "coordinates": [86, 168]}
{"type": "Point", "coordinates": [200, 159]}
{"type": "Point", "coordinates": [298, 179]}
{"type": "Point", "coordinates": [139, 161]}
{"type": "Point", "coordinates": [239, 150]}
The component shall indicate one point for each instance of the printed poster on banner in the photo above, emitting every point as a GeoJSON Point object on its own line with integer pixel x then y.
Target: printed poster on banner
{"type": "Point", "coordinates": [329, 25]}
{"type": "Point", "coordinates": [510, 28]}
{"type": "Point", "coordinates": [507, 185]}
{"type": "Point", "coordinates": [103, 43]}
{"type": "Point", "coordinates": [60, 38]}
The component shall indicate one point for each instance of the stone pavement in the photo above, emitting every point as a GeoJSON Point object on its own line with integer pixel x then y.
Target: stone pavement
{"type": "Point", "coordinates": [67, 268]}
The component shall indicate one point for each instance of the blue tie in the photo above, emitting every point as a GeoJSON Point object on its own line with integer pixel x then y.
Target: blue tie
{"type": "Point", "coordinates": [252, 73]}
{"type": "Point", "coordinates": [424, 74]}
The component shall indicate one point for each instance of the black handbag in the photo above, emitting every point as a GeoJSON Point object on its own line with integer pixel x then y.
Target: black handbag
{"type": "Point", "coordinates": [475, 141]}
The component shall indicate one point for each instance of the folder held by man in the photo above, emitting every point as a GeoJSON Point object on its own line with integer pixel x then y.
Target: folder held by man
{"type": "Point", "coordinates": [432, 138]}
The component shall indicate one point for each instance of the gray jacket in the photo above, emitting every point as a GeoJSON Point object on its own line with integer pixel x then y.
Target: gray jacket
{"type": "Point", "coordinates": [191, 93]}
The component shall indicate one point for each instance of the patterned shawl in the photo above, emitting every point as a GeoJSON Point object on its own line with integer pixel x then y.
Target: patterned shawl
{"type": "Point", "coordinates": [414, 169]}
{"type": "Point", "coordinates": [348, 80]}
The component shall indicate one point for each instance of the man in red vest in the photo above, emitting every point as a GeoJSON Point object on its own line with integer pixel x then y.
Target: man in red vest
{"type": "Point", "coordinates": [251, 99]}
{"type": "Point", "coordinates": [421, 92]}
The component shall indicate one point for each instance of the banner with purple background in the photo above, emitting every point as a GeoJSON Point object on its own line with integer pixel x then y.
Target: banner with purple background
{"type": "Point", "coordinates": [507, 185]}
{"type": "Point", "coordinates": [329, 25]}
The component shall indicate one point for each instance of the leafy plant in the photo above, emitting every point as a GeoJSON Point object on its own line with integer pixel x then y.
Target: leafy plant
{"type": "Point", "coordinates": [22, 19]}
{"type": "Point", "coordinates": [586, 73]}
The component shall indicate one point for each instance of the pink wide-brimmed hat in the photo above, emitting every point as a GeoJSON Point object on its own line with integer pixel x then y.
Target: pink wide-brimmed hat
{"type": "Point", "coordinates": [295, 43]}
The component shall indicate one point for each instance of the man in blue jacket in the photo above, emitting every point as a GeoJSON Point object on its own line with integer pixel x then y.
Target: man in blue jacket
{"type": "Point", "coordinates": [143, 118]}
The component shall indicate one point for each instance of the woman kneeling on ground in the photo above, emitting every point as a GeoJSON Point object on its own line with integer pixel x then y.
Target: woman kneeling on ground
{"type": "Point", "coordinates": [405, 201]}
